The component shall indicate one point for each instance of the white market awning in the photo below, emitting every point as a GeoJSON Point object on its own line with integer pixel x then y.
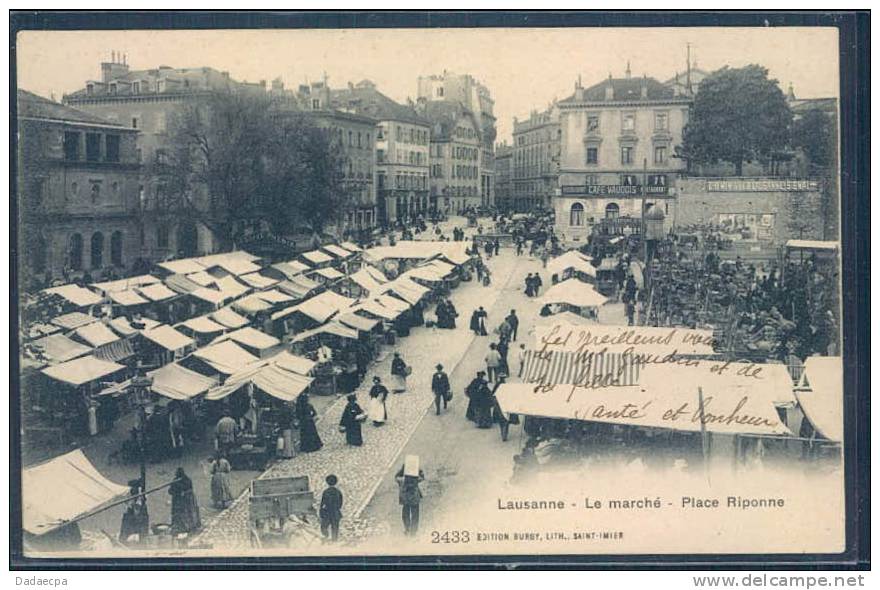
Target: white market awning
{"type": "Point", "coordinates": [351, 247]}
{"type": "Point", "coordinates": [157, 292]}
{"type": "Point", "coordinates": [812, 244]}
{"type": "Point", "coordinates": [317, 257]}
{"type": "Point", "coordinates": [820, 395]}
{"type": "Point", "coordinates": [333, 328]}
{"type": "Point", "coordinates": [574, 292]}
{"type": "Point", "coordinates": [293, 363]}
{"type": "Point", "coordinates": [203, 325]}
{"type": "Point", "coordinates": [226, 357]}
{"type": "Point", "coordinates": [202, 278]}
{"type": "Point", "coordinates": [329, 273]}
{"type": "Point", "coordinates": [337, 251]}
{"type": "Point", "coordinates": [229, 318]}
{"type": "Point", "coordinates": [251, 304]}
{"type": "Point", "coordinates": [253, 338]}
{"type": "Point", "coordinates": [73, 320]}
{"type": "Point", "coordinates": [82, 370]}
{"type": "Point", "coordinates": [63, 489]}
{"type": "Point", "coordinates": [127, 298]}
{"type": "Point", "coordinates": [278, 383]}
{"type": "Point", "coordinates": [168, 338]}
{"type": "Point", "coordinates": [273, 296]}
{"type": "Point", "coordinates": [124, 327]}
{"type": "Point", "coordinates": [96, 334]}
{"type": "Point", "coordinates": [58, 348]}
{"type": "Point", "coordinates": [179, 383]}
{"type": "Point", "coordinates": [126, 284]}
{"type": "Point", "coordinates": [184, 266]}
{"type": "Point", "coordinates": [79, 296]}
{"type": "Point", "coordinates": [571, 259]}
{"type": "Point", "coordinates": [258, 281]}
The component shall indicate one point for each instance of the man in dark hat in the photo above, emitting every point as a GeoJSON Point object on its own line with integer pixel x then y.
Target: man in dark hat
{"type": "Point", "coordinates": [331, 509]}
{"type": "Point", "coordinates": [440, 387]}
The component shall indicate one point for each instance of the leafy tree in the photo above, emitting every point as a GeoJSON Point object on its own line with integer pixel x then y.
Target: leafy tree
{"type": "Point", "coordinates": [738, 115]}
{"type": "Point", "coordinates": [815, 134]}
{"type": "Point", "coordinates": [244, 156]}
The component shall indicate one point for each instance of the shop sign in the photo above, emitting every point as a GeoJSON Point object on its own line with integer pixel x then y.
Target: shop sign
{"type": "Point", "coordinates": [614, 190]}
{"type": "Point", "coordinates": [744, 185]}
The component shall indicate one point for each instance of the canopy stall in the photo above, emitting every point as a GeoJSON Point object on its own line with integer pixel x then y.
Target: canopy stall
{"type": "Point", "coordinates": [181, 267]}
{"type": "Point", "coordinates": [373, 307]}
{"type": "Point", "coordinates": [125, 327]}
{"type": "Point", "coordinates": [358, 322]}
{"type": "Point", "coordinates": [117, 351]}
{"type": "Point", "coordinates": [229, 318]}
{"type": "Point", "coordinates": [298, 287]}
{"type": "Point", "coordinates": [168, 338]}
{"type": "Point", "coordinates": [63, 489]}
{"type": "Point", "coordinates": [75, 295]}
{"type": "Point", "coordinates": [203, 325]}
{"type": "Point", "coordinates": [233, 256]}
{"type": "Point", "coordinates": [56, 348]}
{"type": "Point", "coordinates": [273, 296]}
{"type": "Point", "coordinates": [251, 305]}
{"type": "Point", "coordinates": [326, 274]}
{"type": "Point", "coordinates": [337, 251]}
{"type": "Point", "coordinates": [231, 266]}
{"type": "Point", "coordinates": [179, 383]}
{"type": "Point", "coordinates": [202, 278]}
{"type": "Point", "coordinates": [232, 287]}
{"type": "Point", "coordinates": [226, 357]}
{"type": "Point", "coordinates": [181, 284]}
{"type": "Point", "coordinates": [125, 284]}
{"type": "Point", "coordinates": [258, 281]}
{"type": "Point", "coordinates": [82, 370]}
{"type": "Point", "coordinates": [332, 328]}
{"type": "Point", "coordinates": [407, 290]}
{"type": "Point", "coordinates": [286, 270]}
{"type": "Point", "coordinates": [96, 334]}
{"type": "Point", "coordinates": [820, 395]}
{"type": "Point", "coordinates": [280, 384]}
{"type": "Point", "coordinates": [212, 296]}
{"type": "Point", "coordinates": [571, 260]}
{"type": "Point", "coordinates": [128, 298]}
{"type": "Point", "coordinates": [157, 292]}
{"type": "Point", "coordinates": [294, 363]}
{"type": "Point", "coordinates": [73, 320]}
{"type": "Point", "coordinates": [253, 340]}
{"type": "Point", "coordinates": [316, 257]}
{"type": "Point", "coordinates": [351, 247]}
{"type": "Point", "coordinates": [573, 292]}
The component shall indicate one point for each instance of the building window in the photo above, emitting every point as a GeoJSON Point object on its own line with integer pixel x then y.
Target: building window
{"type": "Point", "coordinates": [316, 104]}
{"type": "Point", "coordinates": [399, 133]}
{"type": "Point", "coordinates": [162, 236]}
{"type": "Point", "coordinates": [90, 89]}
{"type": "Point", "coordinates": [351, 139]}
{"type": "Point", "coordinates": [628, 124]}
{"type": "Point", "coordinates": [576, 216]}
{"type": "Point", "coordinates": [657, 180]}
{"type": "Point", "coordinates": [74, 188]}
{"type": "Point", "coordinates": [592, 123]}
{"type": "Point", "coordinates": [626, 154]}
{"type": "Point", "coordinates": [592, 155]}
{"type": "Point", "coordinates": [97, 250]}
{"type": "Point", "coordinates": [629, 180]}
{"type": "Point", "coordinates": [71, 146]}
{"type": "Point", "coordinates": [96, 193]}
{"type": "Point", "coordinates": [612, 211]}
{"type": "Point", "coordinates": [75, 252]}
{"type": "Point", "coordinates": [112, 145]}
{"type": "Point", "coordinates": [661, 122]}
{"type": "Point", "coordinates": [136, 88]}
{"type": "Point", "coordinates": [135, 122]}
{"type": "Point", "coordinates": [369, 143]}
{"type": "Point", "coordinates": [660, 154]}
{"type": "Point", "coordinates": [93, 147]}
{"type": "Point", "coordinates": [360, 139]}
{"type": "Point", "coordinates": [440, 92]}
{"type": "Point", "coordinates": [116, 248]}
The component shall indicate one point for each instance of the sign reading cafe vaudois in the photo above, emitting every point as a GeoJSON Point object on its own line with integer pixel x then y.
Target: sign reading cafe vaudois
{"type": "Point", "coordinates": [745, 185]}
{"type": "Point", "coordinates": [614, 190]}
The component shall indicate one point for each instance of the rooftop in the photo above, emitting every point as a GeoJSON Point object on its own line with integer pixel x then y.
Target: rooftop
{"type": "Point", "coordinates": [32, 106]}
{"type": "Point", "coordinates": [624, 90]}
{"type": "Point", "coordinates": [364, 99]}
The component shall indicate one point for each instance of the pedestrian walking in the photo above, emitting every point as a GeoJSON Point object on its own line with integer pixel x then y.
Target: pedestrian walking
{"type": "Point", "coordinates": [496, 246]}
{"type": "Point", "coordinates": [502, 348]}
{"type": "Point", "coordinates": [493, 361]}
{"type": "Point", "coordinates": [376, 409]}
{"type": "Point", "coordinates": [309, 440]}
{"type": "Point", "coordinates": [225, 432]}
{"type": "Point", "coordinates": [330, 512]}
{"type": "Point", "coordinates": [538, 284]}
{"type": "Point", "coordinates": [440, 388]}
{"type": "Point", "coordinates": [630, 308]}
{"type": "Point", "coordinates": [185, 516]}
{"type": "Point", "coordinates": [410, 496]}
{"type": "Point", "coordinates": [483, 406]}
{"type": "Point", "coordinates": [472, 393]}
{"type": "Point", "coordinates": [530, 285]}
{"type": "Point", "coordinates": [399, 372]}
{"type": "Point", "coordinates": [521, 359]}
{"type": "Point", "coordinates": [221, 491]}
{"type": "Point", "coordinates": [478, 321]}
{"type": "Point", "coordinates": [350, 423]}
{"type": "Point", "coordinates": [513, 321]}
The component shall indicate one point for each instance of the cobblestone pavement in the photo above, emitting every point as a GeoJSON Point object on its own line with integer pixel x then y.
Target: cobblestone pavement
{"type": "Point", "coordinates": [360, 469]}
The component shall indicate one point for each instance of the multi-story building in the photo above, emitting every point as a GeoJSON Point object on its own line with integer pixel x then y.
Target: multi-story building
{"type": "Point", "coordinates": [148, 100]}
{"type": "Point", "coordinates": [504, 177]}
{"type": "Point", "coordinates": [617, 139]}
{"type": "Point", "coordinates": [455, 156]}
{"type": "Point", "coordinates": [356, 136]}
{"type": "Point", "coordinates": [402, 150]}
{"type": "Point", "coordinates": [536, 150]}
{"type": "Point", "coordinates": [78, 180]}
{"type": "Point", "coordinates": [477, 98]}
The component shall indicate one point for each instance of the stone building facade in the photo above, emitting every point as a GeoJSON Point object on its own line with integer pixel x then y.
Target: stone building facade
{"type": "Point", "coordinates": [402, 147]}
{"type": "Point", "coordinates": [618, 138]}
{"type": "Point", "coordinates": [504, 199]}
{"type": "Point", "coordinates": [536, 152]}
{"type": "Point", "coordinates": [78, 179]}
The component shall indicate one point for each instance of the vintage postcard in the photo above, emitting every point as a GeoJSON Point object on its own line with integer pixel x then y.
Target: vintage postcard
{"type": "Point", "coordinates": [391, 292]}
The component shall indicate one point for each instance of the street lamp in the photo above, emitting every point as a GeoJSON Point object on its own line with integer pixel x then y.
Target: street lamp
{"type": "Point", "coordinates": [140, 385]}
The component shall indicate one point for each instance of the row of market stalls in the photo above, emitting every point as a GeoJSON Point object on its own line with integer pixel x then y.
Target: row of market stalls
{"type": "Point", "coordinates": [619, 384]}
{"type": "Point", "coordinates": [237, 336]}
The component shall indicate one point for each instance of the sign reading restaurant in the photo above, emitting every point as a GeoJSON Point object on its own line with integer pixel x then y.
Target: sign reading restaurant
{"type": "Point", "coordinates": [746, 185]}
{"type": "Point", "coordinates": [613, 190]}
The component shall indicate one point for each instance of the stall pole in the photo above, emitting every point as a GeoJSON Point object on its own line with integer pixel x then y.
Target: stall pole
{"type": "Point", "coordinates": [140, 386]}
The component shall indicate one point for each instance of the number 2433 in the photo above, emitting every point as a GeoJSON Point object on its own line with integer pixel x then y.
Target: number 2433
{"type": "Point", "coordinates": [450, 537]}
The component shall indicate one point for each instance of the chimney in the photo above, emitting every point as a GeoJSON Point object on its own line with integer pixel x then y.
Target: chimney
{"type": "Point", "coordinates": [628, 71]}
{"type": "Point", "coordinates": [644, 88]}
{"type": "Point", "coordinates": [114, 68]}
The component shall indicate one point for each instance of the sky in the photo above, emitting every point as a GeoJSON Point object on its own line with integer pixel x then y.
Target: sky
{"type": "Point", "coordinates": [524, 69]}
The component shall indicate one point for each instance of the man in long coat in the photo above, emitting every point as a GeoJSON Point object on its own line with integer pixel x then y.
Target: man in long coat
{"type": "Point", "coordinates": [440, 388]}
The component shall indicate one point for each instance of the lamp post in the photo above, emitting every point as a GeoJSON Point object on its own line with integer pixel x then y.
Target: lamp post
{"type": "Point", "coordinates": [140, 389]}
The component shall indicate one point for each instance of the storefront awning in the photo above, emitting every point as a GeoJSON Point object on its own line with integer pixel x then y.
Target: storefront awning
{"type": "Point", "coordinates": [82, 370]}
{"type": "Point", "coordinates": [179, 383]}
{"type": "Point", "coordinates": [820, 395]}
{"type": "Point", "coordinates": [63, 489]}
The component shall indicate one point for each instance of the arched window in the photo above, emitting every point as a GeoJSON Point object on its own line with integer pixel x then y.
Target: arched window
{"type": "Point", "coordinates": [96, 193]}
{"type": "Point", "coordinates": [576, 217]}
{"type": "Point", "coordinates": [75, 252]}
{"type": "Point", "coordinates": [116, 248]}
{"type": "Point", "coordinates": [97, 250]}
{"type": "Point", "coordinates": [612, 211]}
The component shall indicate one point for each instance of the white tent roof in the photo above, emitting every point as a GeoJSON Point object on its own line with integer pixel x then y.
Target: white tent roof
{"type": "Point", "coordinates": [235, 255]}
{"type": "Point", "coordinates": [336, 250]}
{"type": "Point", "coordinates": [334, 328]}
{"type": "Point", "coordinates": [574, 292]}
{"type": "Point", "coordinates": [229, 318]}
{"type": "Point", "coordinates": [73, 320]}
{"type": "Point", "coordinates": [374, 307]}
{"type": "Point", "coordinates": [328, 273]}
{"type": "Point", "coordinates": [252, 304]}
{"type": "Point", "coordinates": [82, 370]}
{"type": "Point", "coordinates": [812, 244]}
{"type": "Point", "coordinates": [79, 296]}
{"type": "Point", "coordinates": [273, 296]}
{"type": "Point", "coordinates": [96, 334]}
{"type": "Point", "coordinates": [124, 328]}
{"type": "Point", "coordinates": [406, 289]}
{"type": "Point", "coordinates": [232, 287]}
{"type": "Point", "coordinates": [176, 382]}
{"type": "Point", "coordinates": [226, 357]}
{"type": "Point", "coordinates": [293, 363]}
{"type": "Point", "coordinates": [58, 348]}
{"type": "Point", "coordinates": [211, 295]}
{"type": "Point", "coordinates": [351, 247]}
{"type": "Point", "coordinates": [258, 281]}
{"type": "Point", "coordinates": [353, 320]}
{"type": "Point", "coordinates": [127, 298]}
{"type": "Point", "coordinates": [126, 284]}
{"type": "Point", "coordinates": [168, 338]}
{"type": "Point", "coordinates": [235, 266]}
{"type": "Point", "coordinates": [203, 325]}
{"type": "Point", "coordinates": [158, 292]}
{"type": "Point", "coordinates": [202, 278]}
{"type": "Point", "coordinates": [277, 382]}
{"type": "Point", "coordinates": [571, 259]}
{"type": "Point", "coordinates": [253, 338]}
{"type": "Point", "coordinates": [63, 489]}
{"type": "Point", "coordinates": [820, 395]}
{"type": "Point", "coordinates": [366, 281]}
{"type": "Point", "coordinates": [317, 257]}
{"type": "Point", "coordinates": [291, 268]}
{"type": "Point", "coordinates": [184, 266]}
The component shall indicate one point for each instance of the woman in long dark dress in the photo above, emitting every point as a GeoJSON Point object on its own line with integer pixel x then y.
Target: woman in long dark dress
{"type": "Point", "coordinates": [472, 391]}
{"type": "Point", "coordinates": [484, 403]}
{"type": "Point", "coordinates": [309, 441]}
{"type": "Point", "coordinates": [352, 417]}
{"type": "Point", "coordinates": [185, 516]}
{"type": "Point", "coordinates": [221, 491]}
